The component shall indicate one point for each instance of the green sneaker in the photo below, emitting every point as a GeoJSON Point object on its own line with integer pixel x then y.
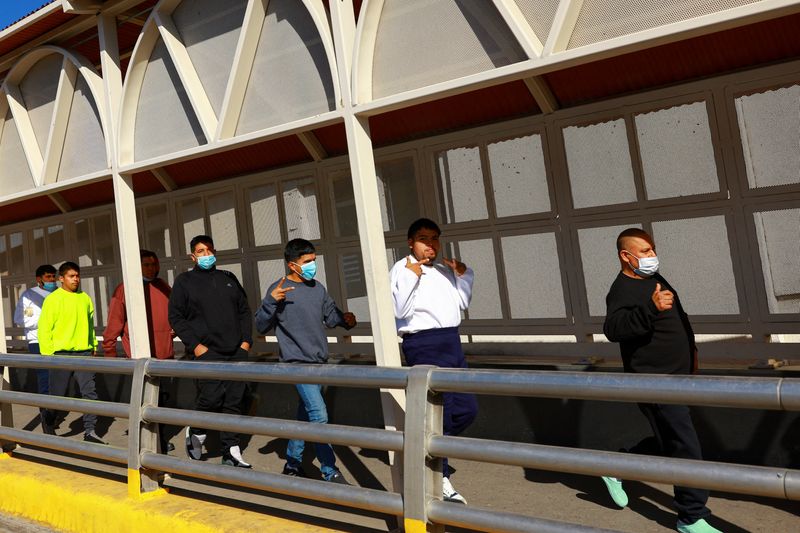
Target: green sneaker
{"type": "Point", "coordinates": [616, 491]}
{"type": "Point", "coordinates": [701, 526]}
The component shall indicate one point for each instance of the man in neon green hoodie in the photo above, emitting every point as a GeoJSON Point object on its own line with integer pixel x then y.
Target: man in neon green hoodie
{"type": "Point", "coordinates": [66, 327]}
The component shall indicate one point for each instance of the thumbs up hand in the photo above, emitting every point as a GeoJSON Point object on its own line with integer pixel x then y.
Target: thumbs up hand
{"type": "Point", "coordinates": [663, 300]}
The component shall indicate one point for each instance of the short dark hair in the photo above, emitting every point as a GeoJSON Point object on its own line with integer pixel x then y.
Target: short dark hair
{"type": "Point", "coordinates": [297, 248]}
{"type": "Point", "coordinates": [67, 266]}
{"type": "Point", "coordinates": [633, 232]}
{"type": "Point", "coordinates": [205, 239]}
{"type": "Point", "coordinates": [148, 253]}
{"type": "Point", "coordinates": [41, 270]}
{"type": "Point", "coordinates": [422, 223]}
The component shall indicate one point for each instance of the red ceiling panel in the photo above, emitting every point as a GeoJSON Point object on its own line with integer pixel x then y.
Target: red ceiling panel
{"type": "Point", "coordinates": [463, 110]}
{"type": "Point", "coordinates": [144, 183]}
{"type": "Point", "coordinates": [333, 138]}
{"type": "Point", "coordinates": [90, 195]}
{"type": "Point", "coordinates": [713, 54]}
{"type": "Point", "coordinates": [262, 156]}
{"type": "Point", "coordinates": [29, 209]}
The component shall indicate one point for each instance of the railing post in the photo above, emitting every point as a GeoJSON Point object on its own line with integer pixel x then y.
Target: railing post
{"type": "Point", "coordinates": [422, 473]}
{"type": "Point", "coordinates": [142, 436]}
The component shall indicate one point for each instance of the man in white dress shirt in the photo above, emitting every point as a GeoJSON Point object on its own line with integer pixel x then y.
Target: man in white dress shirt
{"type": "Point", "coordinates": [428, 299]}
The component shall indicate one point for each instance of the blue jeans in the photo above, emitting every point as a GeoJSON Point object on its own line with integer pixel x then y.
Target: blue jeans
{"type": "Point", "coordinates": [42, 374]}
{"type": "Point", "coordinates": [311, 409]}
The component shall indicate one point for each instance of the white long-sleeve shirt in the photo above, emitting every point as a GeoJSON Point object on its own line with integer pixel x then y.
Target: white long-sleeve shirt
{"type": "Point", "coordinates": [29, 307]}
{"type": "Point", "coordinates": [433, 300]}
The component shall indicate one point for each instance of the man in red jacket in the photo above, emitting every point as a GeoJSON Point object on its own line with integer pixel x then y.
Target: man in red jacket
{"type": "Point", "coordinates": [156, 296]}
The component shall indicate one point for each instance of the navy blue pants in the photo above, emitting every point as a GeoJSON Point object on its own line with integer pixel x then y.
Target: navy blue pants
{"type": "Point", "coordinates": [442, 347]}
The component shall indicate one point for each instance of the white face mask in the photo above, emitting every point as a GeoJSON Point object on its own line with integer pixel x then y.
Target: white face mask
{"type": "Point", "coordinates": [647, 266]}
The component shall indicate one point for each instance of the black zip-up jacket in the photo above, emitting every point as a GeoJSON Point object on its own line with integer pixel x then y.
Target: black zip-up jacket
{"type": "Point", "coordinates": [209, 307]}
{"type": "Point", "coordinates": [651, 342]}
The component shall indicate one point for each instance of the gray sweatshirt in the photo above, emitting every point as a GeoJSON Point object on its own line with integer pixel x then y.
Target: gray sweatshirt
{"type": "Point", "coordinates": [300, 320]}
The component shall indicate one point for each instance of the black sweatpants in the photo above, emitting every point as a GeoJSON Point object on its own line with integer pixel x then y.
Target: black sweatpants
{"type": "Point", "coordinates": [674, 436]}
{"type": "Point", "coordinates": [220, 396]}
{"type": "Point", "coordinates": [59, 383]}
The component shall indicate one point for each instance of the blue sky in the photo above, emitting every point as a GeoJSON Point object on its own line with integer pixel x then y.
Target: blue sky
{"type": "Point", "coordinates": [11, 10]}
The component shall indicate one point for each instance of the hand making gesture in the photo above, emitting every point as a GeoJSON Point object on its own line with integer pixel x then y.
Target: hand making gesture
{"type": "Point", "coordinates": [663, 299]}
{"type": "Point", "coordinates": [416, 268]}
{"type": "Point", "coordinates": [279, 293]}
{"type": "Point", "coordinates": [455, 265]}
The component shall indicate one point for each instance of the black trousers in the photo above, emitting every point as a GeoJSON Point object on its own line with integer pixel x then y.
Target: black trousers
{"type": "Point", "coordinates": [59, 383]}
{"type": "Point", "coordinates": [220, 396]}
{"type": "Point", "coordinates": [674, 436]}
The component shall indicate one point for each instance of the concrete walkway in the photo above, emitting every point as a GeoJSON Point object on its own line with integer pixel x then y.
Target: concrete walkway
{"type": "Point", "coordinates": [568, 498]}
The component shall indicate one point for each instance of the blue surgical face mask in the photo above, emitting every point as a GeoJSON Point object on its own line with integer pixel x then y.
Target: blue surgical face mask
{"type": "Point", "coordinates": [308, 270]}
{"type": "Point", "coordinates": [147, 280]}
{"type": "Point", "coordinates": [648, 266]}
{"type": "Point", "coordinates": [49, 286]}
{"type": "Point", "coordinates": [206, 261]}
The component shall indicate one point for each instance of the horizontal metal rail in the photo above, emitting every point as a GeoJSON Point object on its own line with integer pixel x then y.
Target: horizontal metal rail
{"type": "Point", "coordinates": [371, 438]}
{"type": "Point", "coordinates": [346, 376]}
{"type": "Point", "coordinates": [714, 391]}
{"type": "Point", "coordinates": [370, 499]}
{"type": "Point", "coordinates": [88, 449]}
{"type": "Point", "coordinates": [103, 365]}
{"type": "Point", "coordinates": [61, 403]}
{"type": "Point", "coordinates": [743, 479]}
{"type": "Point", "coordinates": [453, 514]}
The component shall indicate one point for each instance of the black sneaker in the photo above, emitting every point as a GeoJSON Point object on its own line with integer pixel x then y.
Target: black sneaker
{"type": "Point", "coordinates": [294, 472]}
{"type": "Point", "coordinates": [93, 437]}
{"type": "Point", "coordinates": [338, 478]}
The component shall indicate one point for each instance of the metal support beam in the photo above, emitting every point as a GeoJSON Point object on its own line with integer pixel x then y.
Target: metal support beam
{"type": "Point", "coordinates": [164, 178]}
{"type": "Point", "coordinates": [313, 145]}
{"type": "Point", "coordinates": [541, 92]}
{"type": "Point", "coordinates": [60, 202]}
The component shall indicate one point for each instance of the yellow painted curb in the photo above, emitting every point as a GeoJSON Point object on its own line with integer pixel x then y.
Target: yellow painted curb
{"type": "Point", "coordinates": [74, 502]}
{"type": "Point", "coordinates": [414, 526]}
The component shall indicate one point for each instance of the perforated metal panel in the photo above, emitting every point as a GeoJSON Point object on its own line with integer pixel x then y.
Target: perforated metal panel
{"type": "Point", "coordinates": [210, 30]}
{"type": "Point", "coordinates": [397, 186]}
{"type": "Point", "coordinates": [56, 245]}
{"type": "Point", "coordinates": [302, 213]}
{"type": "Point", "coordinates": [192, 219]}
{"type": "Point", "coordinates": [599, 161]}
{"type": "Point", "coordinates": [222, 219]}
{"type": "Point", "coordinates": [540, 15]}
{"type": "Point", "coordinates": [105, 236]}
{"type": "Point", "coordinates": [264, 213]}
{"type": "Point", "coordinates": [519, 178]}
{"type": "Point", "coordinates": [423, 42]}
{"type": "Point", "coordinates": [15, 174]}
{"type": "Point", "coordinates": [355, 286]}
{"type": "Point", "coordinates": [38, 88]}
{"type": "Point", "coordinates": [769, 125]}
{"type": "Point", "coordinates": [677, 152]}
{"type": "Point", "coordinates": [165, 120]}
{"type": "Point", "coordinates": [344, 206]}
{"type": "Point", "coordinates": [84, 145]}
{"type": "Point", "coordinates": [533, 275]}
{"type": "Point", "coordinates": [600, 20]}
{"type": "Point", "coordinates": [461, 181]}
{"type": "Point", "coordinates": [598, 248]}
{"type": "Point", "coordinates": [779, 248]}
{"type": "Point", "coordinates": [479, 255]}
{"type": "Point", "coordinates": [269, 271]}
{"type": "Point", "coordinates": [83, 242]}
{"type": "Point", "coordinates": [291, 77]}
{"type": "Point", "coordinates": [695, 257]}
{"type": "Point", "coordinates": [37, 247]}
{"type": "Point", "coordinates": [157, 230]}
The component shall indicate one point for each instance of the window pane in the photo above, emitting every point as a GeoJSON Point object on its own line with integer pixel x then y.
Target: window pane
{"type": "Point", "coordinates": [37, 248]}
{"type": "Point", "coordinates": [84, 243]}
{"type": "Point", "coordinates": [344, 206]}
{"type": "Point", "coordinates": [533, 275]}
{"type": "Point", "coordinates": [461, 184]}
{"type": "Point", "coordinates": [769, 124]}
{"type": "Point", "coordinates": [3, 256]}
{"type": "Point", "coordinates": [264, 213]}
{"type": "Point", "coordinates": [479, 255]}
{"type": "Point", "coordinates": [269, 271]}
{"type": "Point", "coordinates": [104, 238]}
{"type": "Point", "coordinates": [235, 268]}
{"type": "Point", "coordinates": [695, 257]}
{"type": "Point", "coordinates": [519, 178]}
{"type": "Point", "coordinates": [222, 217]}
{"type": "Point", "coordinates": [300, 203]}
{"type": "Point", "coordinates": [107, 283]}
{"type": "Point", "coordinates": [56, 245]}
{"type": "Point", "coordinates": [397, 186]}
{"type": "Point", "coordinates": [192, 219]}
{"type": "Point", "coordinates": [779, 247]}
{"type": "Point", "coordinates": [600, 169]}
{"type": "Point", "coordinates": [355, 287]}
{"type": "Point", "coordinates": [677, 152]}
{"type": "Point", "coordinates": [157, 231]}
{"type": "Point", "coordinates": [87, 286]}
{"type": "Point", "coordinates": [8, 313]}
{"type": "Point", "coordinates": [16, 256]}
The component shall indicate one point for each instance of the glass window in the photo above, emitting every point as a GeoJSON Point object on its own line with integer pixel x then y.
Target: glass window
{"type": "Point", "coordinates": [16, 255]}
{"type": "Point", "coordinates": [157, 230]}
{"type": "Point", "coordinates": [83, 242]}
{"type": "Point", "coordinates": [3, 256]}
{"type": "Point", "coordinates": [56, 245]}
{"type": "Point", "coordinates": [479, 255]}
{"type": "Point", "coordinates": [37, 248]}
{"type": "Point", "coordinates": [8, 312]}
{"type": "Point", "coordinates": [264, 215]}
{"type": "Point", "coordinates": [192, 219]}
{"type": "Point", "coordinates": [533, 275]}
{"type": "Point", "coordinates": [397, 186]}
{"type": "Point", "coordinates": [344, 206]}
{"type": "Point", "coordinates": [104, 238]}
{"type": "Point", "coordinates": [222, 218]}
{"type": "Point", "coordinates": [269, 271]}
{"type": "Point", "coordinates": [87, 286]}
{"type": "Point", "coordinates": [519, 178]}
{"type": "Point", "coordinates": [461, 185]}
{"type": "Point", "coordinates": [779, 248]}
{"type": "Point", "coordinates": [300, 204]}
{"type": "Point", "coordinates": [355, 287]}
{"type": "Point", "coordinates": [599, 162]}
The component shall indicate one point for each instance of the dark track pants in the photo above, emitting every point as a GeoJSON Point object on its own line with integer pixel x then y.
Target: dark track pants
{"type": "Point", "coordinates": [675, 436]}
{"type": "Point", "coordinates": [442, 348]}
{"type": "Point", "coordinates": [59, 383]}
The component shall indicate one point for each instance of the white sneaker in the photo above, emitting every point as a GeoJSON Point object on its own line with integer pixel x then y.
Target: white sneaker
{"type": "Point", "coordinates": [234, 458]}
{"type": "Point", "coordinates": [450, 494]}
{"type": "Point", "coordinates": [194, 445]}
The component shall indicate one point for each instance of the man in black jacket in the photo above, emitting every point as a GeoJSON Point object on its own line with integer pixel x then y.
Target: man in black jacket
{"type": "Point", "coordinates": [208, 310]}
{"type": "Point", "coordinates": [644, 314]}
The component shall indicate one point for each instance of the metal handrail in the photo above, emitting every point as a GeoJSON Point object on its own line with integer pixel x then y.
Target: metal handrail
{"type": "Point", "coordinates": [421, 442]}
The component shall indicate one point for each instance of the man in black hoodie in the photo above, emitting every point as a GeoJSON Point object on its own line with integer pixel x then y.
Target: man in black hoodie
{"type": "Point", "coordinates": [644, 314]}
{"type": "Point", "coordinates": [208, 310]}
